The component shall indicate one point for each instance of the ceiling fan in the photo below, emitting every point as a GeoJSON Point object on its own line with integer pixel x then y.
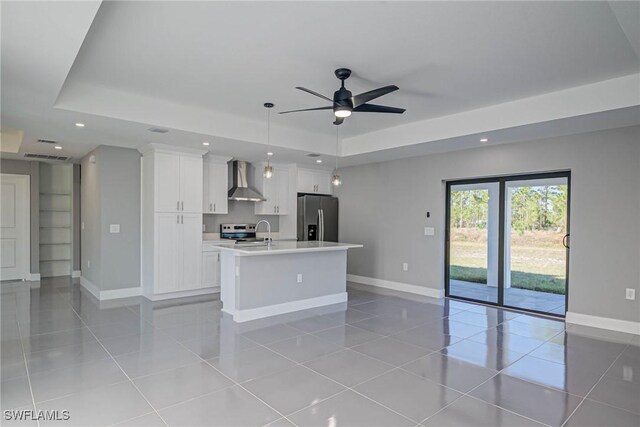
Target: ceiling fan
{"type": "Point", "coordinates": [344, 103]}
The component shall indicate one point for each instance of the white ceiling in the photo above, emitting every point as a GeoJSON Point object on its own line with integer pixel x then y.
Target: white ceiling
{"type": "Point", "coordinates": [204, 69]}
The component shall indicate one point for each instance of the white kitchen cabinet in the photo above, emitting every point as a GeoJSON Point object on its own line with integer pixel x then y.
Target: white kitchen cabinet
{"type": "Point", "coordinates": [191, 245]}
{"type": "Point", "coordinates": [314, 181]}
{"type": "Point", "coordinates": [172, 181]}
{"type": "Point", "coordinates": [211, 269]}
{"type": "Point", "coordinates": [167, 182]}
{"type": "Point", "coordinates": [167, 242]}
{"type": "Point", "coordinates": [177, 182]}
{"type": "Point", "coordinates": [274, 189]}
{"type": "Point", "coordinates": [191, 184]}
{"type": "Point", "coordinates": [216, 185]}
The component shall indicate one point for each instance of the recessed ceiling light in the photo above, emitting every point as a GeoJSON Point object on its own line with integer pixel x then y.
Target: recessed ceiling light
{"type": "Point", "coordinates": [269, 153]}
{"type": "Point", "coordinates": [205, 143]}
{"type": "Point", "coordinates": [58, 147]}
{"type": "Point", "coordinates": [80, 125]}
{"type": "Point", "coordinates": [319, 161]}
{"type": "Point", "coordinates": [484, 139]}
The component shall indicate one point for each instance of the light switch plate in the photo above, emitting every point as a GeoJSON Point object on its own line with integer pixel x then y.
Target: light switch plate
{"type": "Point", "coordinates": [405, 266]}
{"type": "Point", "coordinates": [630, 294]}
{"type": "Point", "coordinates": [114, 228]}
{"type": "Point", "coordinates": [299, 278]}
{"type": "Point", "coordinates": [429, 231]}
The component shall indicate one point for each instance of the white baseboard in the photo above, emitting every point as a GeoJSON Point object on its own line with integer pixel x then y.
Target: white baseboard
{"type": "Point", "coordinates": [108, 294]}
{"type": "Point", "coordinates": [396, 286]}
{"type": "Point", "coordinates": [34, 277]}
{"type": "Point", "coordinates": [286, 307]}
{"type": "Point", "coordinates": [182, 294]}
{"type": "Point", "coordinates": [76, 273]}
{"type": "Point", "coordinates": [603, 323]}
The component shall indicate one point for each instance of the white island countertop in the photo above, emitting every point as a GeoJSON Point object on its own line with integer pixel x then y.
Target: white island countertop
{"type": "Point", "coordinates": [287, 247]}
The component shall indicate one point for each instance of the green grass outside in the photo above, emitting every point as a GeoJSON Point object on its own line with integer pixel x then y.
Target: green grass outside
{"type": "Point", "coordinates": [519, 279]}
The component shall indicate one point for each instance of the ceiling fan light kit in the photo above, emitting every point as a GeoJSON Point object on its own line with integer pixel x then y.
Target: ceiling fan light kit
{"type": "Point", "coordinates": [344, 103]}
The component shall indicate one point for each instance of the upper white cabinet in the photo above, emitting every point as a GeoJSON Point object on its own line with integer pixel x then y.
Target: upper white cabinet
{"type": "Point", "coordinates": [177, 181]}
{"type": "Point", "coordinates": [216, 185]}
{"type": "Point", "coordinates": [314, 181]}
{"type": "Point", "coordinates": [274, 189]}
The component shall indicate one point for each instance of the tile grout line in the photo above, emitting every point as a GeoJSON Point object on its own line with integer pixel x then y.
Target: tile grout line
{"type": "Point", "coordinates": [26, 367]}
{"type": "Point", "coordinates": [120, 367]}
{"type": "Point", "coordinates": [230, 379]}
{"type": "Point", "coordinates": [594, 386]}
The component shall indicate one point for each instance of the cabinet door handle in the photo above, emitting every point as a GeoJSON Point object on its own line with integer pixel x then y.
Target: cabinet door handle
{"type": "Point", "coordinates": [177, 219]}
{"type": "Point", "coordinates": [178, 205]}
{"type": "Point", "coordinates": [181, 206]}
{"type": "Point", "coordinates": [214, 207]}
{"type": "Point", "coordinates": [181, 219]}
{"type": "Point", "coordinates": [209, 207]}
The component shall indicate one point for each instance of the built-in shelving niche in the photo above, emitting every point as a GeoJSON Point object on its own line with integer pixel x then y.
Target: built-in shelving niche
{"type": "Point", "coordinates": [56, 216]}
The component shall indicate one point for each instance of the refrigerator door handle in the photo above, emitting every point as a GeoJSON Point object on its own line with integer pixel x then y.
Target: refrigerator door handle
{"type": "Point", "coordinates": [319, 231]}
{"type": "Point", "coordinates": [322, 227]}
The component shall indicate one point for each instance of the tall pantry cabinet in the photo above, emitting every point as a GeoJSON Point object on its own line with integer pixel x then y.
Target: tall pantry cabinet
{"type": "Point", "coordinates": [172, 200]}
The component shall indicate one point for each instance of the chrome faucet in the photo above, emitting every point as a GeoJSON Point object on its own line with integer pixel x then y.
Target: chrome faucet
{"type": "Point", "coordinates": [268, 231]}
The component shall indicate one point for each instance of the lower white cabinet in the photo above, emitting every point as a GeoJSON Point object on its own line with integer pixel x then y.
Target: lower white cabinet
{"type": "Point", "coordinates": [178, 248]}
{"type": "Point", "coordinates": [210, 269]}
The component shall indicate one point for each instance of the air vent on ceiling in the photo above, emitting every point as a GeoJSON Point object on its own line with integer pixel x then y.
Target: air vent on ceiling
{"type": "Point", "coordinates": [47, 141]}
{"type": "Point", "coordinates": [313, 155]}
{"type": "Point", "coordinates": [158, 130]}
{"type": "Point", "coordinates": [46, 156]}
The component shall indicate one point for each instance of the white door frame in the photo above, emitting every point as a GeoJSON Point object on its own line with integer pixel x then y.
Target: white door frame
{"type": "Point", "coordinates": [25, 254]}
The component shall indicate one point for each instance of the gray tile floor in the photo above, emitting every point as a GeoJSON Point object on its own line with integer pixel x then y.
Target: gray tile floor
{"type": "Point", "coordinates": [380, 360]}
{"type": "Point", "coordinates": [520, 298]}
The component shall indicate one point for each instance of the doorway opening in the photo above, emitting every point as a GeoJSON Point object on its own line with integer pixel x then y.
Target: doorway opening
{"type": "Point", "coordinates": [507, 241]}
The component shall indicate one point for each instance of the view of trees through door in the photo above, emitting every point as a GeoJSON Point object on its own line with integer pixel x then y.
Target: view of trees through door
{"type": "Point", "coordinates": [535, 233]}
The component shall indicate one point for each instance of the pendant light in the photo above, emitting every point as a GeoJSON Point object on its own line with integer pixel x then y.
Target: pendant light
{"type": "Point", "coordinates": [268, 169]}
{"type": "Point", "coordinates": [335, 179]}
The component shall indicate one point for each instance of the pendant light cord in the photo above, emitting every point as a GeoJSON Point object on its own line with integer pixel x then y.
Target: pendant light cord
{"type": "Point", "coordinates": [337, 143]}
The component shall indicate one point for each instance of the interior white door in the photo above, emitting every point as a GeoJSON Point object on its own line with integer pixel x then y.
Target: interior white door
{"type": "Point", "coordinates": [220, 176]}
{"type": "Point", "coordinates": [190, 184]}
{"type": "Point", "coordinates": [14, 227]}
{"type": "Point", "coordinates": [210, 269]}
{"type": "Point", "coordinates": [167, 252]}
{"type": "Point", "coordinates": [191, 256]}
{"type": "Point", "coordinates": [167, 182]}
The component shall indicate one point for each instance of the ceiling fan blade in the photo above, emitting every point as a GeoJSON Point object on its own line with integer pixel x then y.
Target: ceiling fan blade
{"type": "Point", "coordinates": [307, 109]}
{"type": "Point", "coordinates": [338, 121]}
{"type": "Point", "coordinates": [372, 108]}
{"type": "Point", "coordinates": [372, 94]}
{"type": "Point", "coordinates": [304, 89]}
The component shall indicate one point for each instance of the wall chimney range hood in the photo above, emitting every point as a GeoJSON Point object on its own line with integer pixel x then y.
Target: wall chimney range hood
{"type": "Point", "coordinates": [240, 190]}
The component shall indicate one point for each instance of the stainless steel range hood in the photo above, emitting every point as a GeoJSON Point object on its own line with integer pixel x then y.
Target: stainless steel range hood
{"type": "Point", "coordinates": [240, 189]}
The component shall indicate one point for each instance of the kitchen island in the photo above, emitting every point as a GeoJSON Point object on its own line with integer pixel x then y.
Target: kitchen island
{"type": "Point", "coordinates": [263, 280]}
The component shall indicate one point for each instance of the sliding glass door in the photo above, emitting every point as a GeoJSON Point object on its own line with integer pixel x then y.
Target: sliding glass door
{"type": "Point", "coordinates": [507, 241]}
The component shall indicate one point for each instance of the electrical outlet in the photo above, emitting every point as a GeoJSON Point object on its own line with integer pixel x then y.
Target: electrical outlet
{"type": "Point", "coordinates": [114, 228]}
{"type": "Point", "coordinates": [204, 228]}
{"type": "Point", "coordinates": [88, 263]}
{"type": "Point", "coordinates": [299, 278]}
{"type": "Point", "coordinates": [429, 231]}
{"type": "Point", "coordinates": [405, 266]}
{"type": "Point", "coordinates": [630, 294]}
{"type": "Point", "coordinates": [82, 225]}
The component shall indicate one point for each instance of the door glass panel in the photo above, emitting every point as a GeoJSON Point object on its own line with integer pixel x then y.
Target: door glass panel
{"type": "Point", "coordinates": [535, 258]}
{"type": "Point", "coordinates": [473, 241]}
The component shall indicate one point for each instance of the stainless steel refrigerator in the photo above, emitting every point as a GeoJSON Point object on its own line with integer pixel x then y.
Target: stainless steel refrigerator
{"type": "Point", "coordinates": [318, 218]}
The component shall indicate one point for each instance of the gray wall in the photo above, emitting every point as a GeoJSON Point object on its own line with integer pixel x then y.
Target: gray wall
{"type": "Point", "coordinates": [239, 213]}
{"type": "Point", "coordinates": [90, 203]}
{"type": "Point", "coordinates": [76, 218]}
{"type": "Point", "coordinates": [383, 206]}
{"type": "Point", "coordinates": [21, 167]}
{"type": "Point", "coordinates": [111, 195]}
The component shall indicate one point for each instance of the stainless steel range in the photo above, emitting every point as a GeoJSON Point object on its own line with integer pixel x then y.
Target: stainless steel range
{"type": "Point", "coordinates": [239, 232]}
